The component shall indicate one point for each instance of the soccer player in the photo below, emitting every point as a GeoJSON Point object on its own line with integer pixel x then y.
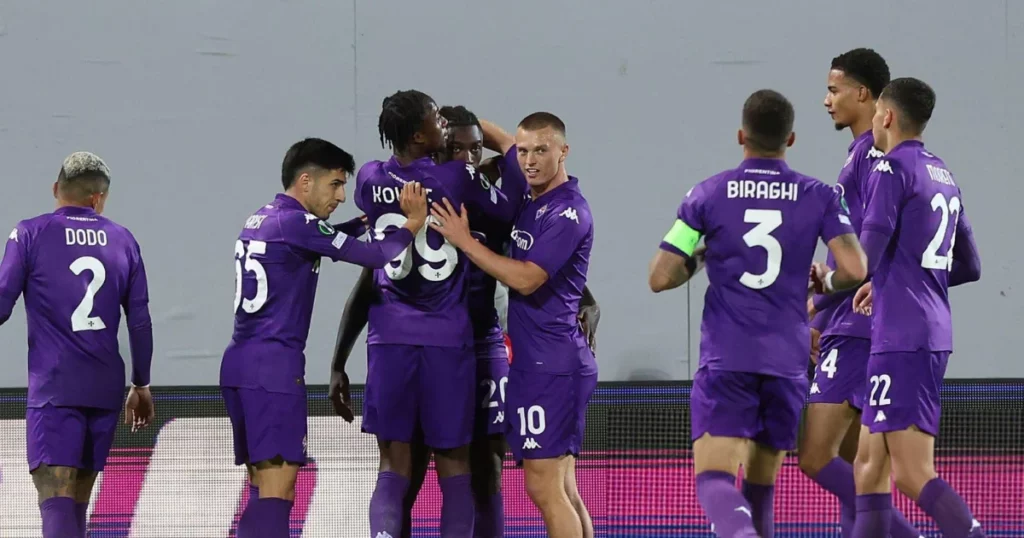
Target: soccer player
{"type": "Point", "coordinates": [277, 266]}
{"type": "Point", "coordinates": [761, 222]}
{"type": "Point", "coordinates": [554, 371]}
{"type": "Point", "coordinates": [919, 243]}
{"type": "Point", "coordinates": [421, 363]}
{"type": "Point", "coordinates": [855, 80]}
{"type": "Point", "coordinates": [77, 270]}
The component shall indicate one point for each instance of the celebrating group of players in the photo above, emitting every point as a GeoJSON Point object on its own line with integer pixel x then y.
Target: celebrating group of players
{"type": "Point", "coordinates": [440, 229]}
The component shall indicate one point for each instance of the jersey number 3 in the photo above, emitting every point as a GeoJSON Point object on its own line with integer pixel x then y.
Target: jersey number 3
{"type": "Point", "coordinates": [446, 255]}
{"type": "Point", "coordinates": [253, 266]}
{"type": "Point", "coordinates": [767, 220]}
{"type": "Point", "coordinates": [81, 320]}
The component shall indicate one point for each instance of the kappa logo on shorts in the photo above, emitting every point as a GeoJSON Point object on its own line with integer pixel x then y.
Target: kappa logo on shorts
{"type": "Point", "coordinates": [383, 534]}
{"type": "Point", "coordinates": [880, 416]}
{"type": "Point", "coordinates": [531, 444]}
{"type": "Point", "coordinates": [815, 389]}
{"type": "Point", "coordinates": [499, 418]}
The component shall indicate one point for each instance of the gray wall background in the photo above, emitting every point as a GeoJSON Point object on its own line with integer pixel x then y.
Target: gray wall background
{"type": "Point", "coordinates": [194, 103]}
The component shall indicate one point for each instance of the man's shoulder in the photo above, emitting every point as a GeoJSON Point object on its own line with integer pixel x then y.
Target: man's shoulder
{"type": "Point", "coordinates": [573, 207]}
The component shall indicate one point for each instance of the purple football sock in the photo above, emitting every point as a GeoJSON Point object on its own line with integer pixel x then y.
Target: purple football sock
{"type": "Point", "coordinates": [386, 504]}
{"type": "Point", "coordinates": [873, 516]}
{"type": "Point", "coordinates": [457, 507]}
{"type": "Point", "coordinates": [59, 519]}
{"type": "Point", "coordinates": [762, 507]}
{"type": "Point", "coordinates": [949, 511]}
{"type": "Point", "coordinates": [724, 505]}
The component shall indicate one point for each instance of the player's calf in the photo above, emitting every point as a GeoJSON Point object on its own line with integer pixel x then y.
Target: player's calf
{"type": "Point", "coordinates": [486, 459]}
{"type": "Point", "coordinates": [420, 456]}
{"type": "Point", "coordinates": [454, 478]}
{"type": "Point", "coordinates": [715, 462]}
{"type": "Point", "coordinates": [759, 473]}
{"type": "Point", "coordinates": [545, 485]}
{"type": "Point", "coordinates": [573, 491]}
{"type": "Point", "coordinates": [269, 515]}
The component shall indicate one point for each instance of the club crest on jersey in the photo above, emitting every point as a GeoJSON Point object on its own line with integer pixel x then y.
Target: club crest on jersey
{"type": "Point", "coordinates": [325, 228]}
{"type": "Point", "coordinates": [541, 211]}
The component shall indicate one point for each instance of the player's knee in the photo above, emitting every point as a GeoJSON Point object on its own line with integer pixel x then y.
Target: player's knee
{"type": "Point", "coordinates": [396, 458]}
{"type": "Point", "coordinates": [277, 478]}
{"type": "Point", "coordinates": [486, 471]}
{"type": "Point", "coordinates": [84, 482]}
{"type": "Point", "coordinates": [54, 481]}
{"type": "Point", "coordinates": [812, 460]}
{"type": "Point", "coordinates": [545, 482]}
{"type": "Point", "coordinates": [911, 476]}
{"type": "Point", "coordinates": [452, 462]}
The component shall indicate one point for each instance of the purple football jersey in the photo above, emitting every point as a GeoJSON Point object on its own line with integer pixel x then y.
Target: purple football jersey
{"type": "Point", "coordinates": [839, 318]}
{"type": "Point", "coordinates": [77, 271]}
{"type": "Point", "coordinates": [762, 222]}
{"type": "Point", "coordinates": [423, 297]}
{"type": "Point", "coordinates": [556, 232]}
{"type": "Point", "coordinates": [913, 201]}
{"type": "Point", "coordinates": [277, 267]}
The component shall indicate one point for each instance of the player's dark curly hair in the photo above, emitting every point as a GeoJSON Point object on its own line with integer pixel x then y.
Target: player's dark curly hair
{"type": "Point", "coordinates": [459, 116]}
{"type": "Point", "coordinates": [767, 121]}
{"type": "Point", "coordinates": [401, 116]}
{"type": "Point", "coordinates": [314, 152]}
{"type": "Point", "coordinates": [866, 67]}
{"type": "Point", "coordinates": [915, 99]}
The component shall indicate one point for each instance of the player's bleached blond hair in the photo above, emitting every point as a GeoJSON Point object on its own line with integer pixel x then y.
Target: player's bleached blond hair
{"type": "Point", "coordinates": [84, 163]}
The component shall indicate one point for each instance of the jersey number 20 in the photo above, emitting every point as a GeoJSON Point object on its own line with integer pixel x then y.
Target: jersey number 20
{"type": "Point", "coordinates": [767, 220]}
{"type": "Point", "coordinates": [447, 256]}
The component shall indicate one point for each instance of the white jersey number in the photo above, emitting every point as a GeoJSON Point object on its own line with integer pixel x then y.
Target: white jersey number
{"type": "Point", "coordinates": [883, 382]}
{"type": "Point", "coordinates": [828, 365]}
{"type": "Point", "coordinates": [447, 256]}
{"type": "Point", "coordinates": [252, 265]}
{"type": "Point", "coordinates": [767, 221]}
{"type": "Point", "coordinates": [931, 259]}
{"type": "Point", "coordinates": [491, 387]}
{"type": "Point", "coordinates": [531, 420]}
{"type": "Point", "coordinates": [81, 320]}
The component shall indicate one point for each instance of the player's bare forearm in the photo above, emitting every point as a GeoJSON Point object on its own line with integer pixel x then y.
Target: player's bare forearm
{"type": "Point", "coordinates": [669, 270]}
{"type": "Point", "coordinates": [353, 319]}
{"type": "Point", "coordinates": [851, 262]}
{"type": "Point", "coordinates": [524, 277]}
{"type": "Point", "coordinates": [495, 138]}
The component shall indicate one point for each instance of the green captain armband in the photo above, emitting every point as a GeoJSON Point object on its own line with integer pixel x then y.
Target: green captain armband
{"type": "Point", "coordinates": [682, 237]}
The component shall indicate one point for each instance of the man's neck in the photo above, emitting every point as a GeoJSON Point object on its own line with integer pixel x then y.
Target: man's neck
{"type": "Point", "coordinates": [896, 138]}
{"type": "Point", "coordinates": [862, 125]}
{"type": "Point", "coordinates": [749, 154]}
{"type": "Point", "coordinates": [410, 155]}
{"type": "Point", "coordinates": [64, 203]}
{"type": "Point", "coordinates": [540, 190]}
{"type": "Point", "coordinates": [291, 193]}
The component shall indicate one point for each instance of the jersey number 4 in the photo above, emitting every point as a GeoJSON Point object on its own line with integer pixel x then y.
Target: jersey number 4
{"type": "Point", "coordinates": [931, 259]}
{"type": "Point", "coordinates": [252, 265]}
{"type": "Point", "coordinates": [446, 255]}
{"type": "Point", "coordinates": [767, 220]}
{"type": "Point", "coordinates": [81, 318]}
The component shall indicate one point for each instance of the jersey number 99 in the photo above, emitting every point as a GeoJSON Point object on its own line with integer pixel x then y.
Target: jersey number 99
{"type": "Point", "coordinates": [446, 255]}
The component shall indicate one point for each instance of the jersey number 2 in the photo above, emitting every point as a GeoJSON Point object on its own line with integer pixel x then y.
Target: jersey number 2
{"type": "Point", "coordinates": [447, 256]}
{"type": "Point", "coordinates": [767, 221]}
{"type": "Point", "coordinates": [81, 320]}
{"type": "Point", "coordinates": [931, 259]}
{"type": "Point", "coordinates": [252, 265]}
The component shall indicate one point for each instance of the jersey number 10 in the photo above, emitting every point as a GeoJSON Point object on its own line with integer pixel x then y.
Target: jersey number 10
{"type": "Point", "coordinates": [446, 255]}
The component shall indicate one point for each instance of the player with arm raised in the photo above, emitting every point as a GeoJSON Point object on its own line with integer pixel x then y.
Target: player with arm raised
{"type": "Point", "coordinates": [277, 266]}
{"type": "Point", "coordinates": [761, 222]}
{"type": "Point", "coordinates": [77, 271]}
{"type": "Point", "coordinates": [421, 366]}
{"type": "Point", "coordinates": [919, 243]}
{"type": "Point", "coordinates": [829, 443]}
{"type": "Point", "coordinates": [554, 371]}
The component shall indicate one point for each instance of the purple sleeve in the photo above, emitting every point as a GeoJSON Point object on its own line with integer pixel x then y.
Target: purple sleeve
{"type": "Point", "coordinates": [691, 213]}
{"type": "Point", "coordinates": [355, 227]}
{"type": "Point", "coordinates": [479, 194]}
{"type": "Point", "coordinates": [823, 302]}
{"type": "Point", "coordinates": [559, 236]}
{"type": "Point", "coordinates": [138, 321]}
{"type": "Point", "coordinates": [320, 238]}
{"type": "Point", "coordinates": [512, 182]}
{"type": "Point", "coordinates": [836, 220]}
{"type": "Point", "coordinates": [13, 271]}
{"type": "Point", "coordinates": [884, 198]}
{"type": "Point", "coordinates": [966, 260]}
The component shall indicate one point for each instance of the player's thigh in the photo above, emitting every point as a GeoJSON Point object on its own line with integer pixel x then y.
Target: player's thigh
{"type": "Point", "coordinates": [763, 464]}
{"type": "Point", "coordinates": [55, 436]}
{"type": "Point", "coordinates": [781, 405]}
{"type": "Point", "coordinates": [491, 387]}
{"type": "Point", "coordinates": [724, 414]}
{"type": "Point", "coordinates": [545, 478]}
{"type": "Point", "coordinates": [236, 415]}
{"type": "Point", "coordinates": [392, 395]}
{"type": "Point", "coordinates": [547, 413]}
{"type": "Point", "coordinates": [840, 373]}
{"type": "Point", "coordinates": [275, 428]}
{"type": "Point", "coordinates": [447, 388]}
{"type": "Point", "coordinates": [101, 425]}
{"type": "Point", "coordinates": [871, 467]}
{"type": "Point", "coordinates": [825, 429]}
{"type": "Point", "coordinates": [904, 391]}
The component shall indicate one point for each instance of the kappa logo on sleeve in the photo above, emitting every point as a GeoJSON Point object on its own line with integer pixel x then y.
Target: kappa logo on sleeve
{"type": "Point", "coordinates": [13, 236]}
{"type": "Point", "coordinates": [570, 214]}
{"type": "Point", "coordinates": [883, 166]}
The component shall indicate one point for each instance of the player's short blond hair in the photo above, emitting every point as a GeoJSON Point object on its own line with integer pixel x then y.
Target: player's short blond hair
{"type": "Point", "coordinates": [84, 163]}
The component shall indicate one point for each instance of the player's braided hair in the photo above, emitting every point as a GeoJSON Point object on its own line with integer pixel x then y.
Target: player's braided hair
{"type": "Point", "coordinates": [866, 67]}
{"type": "Point", "coordinates": [459, 116]}
{"type": "Point", "coordinates": [401, 116]}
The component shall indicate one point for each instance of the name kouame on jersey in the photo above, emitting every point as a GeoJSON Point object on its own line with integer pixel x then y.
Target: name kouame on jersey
{"type": "Point", "coordinates": [423, 293]}
{"type": "Point", "coordinates": [77, 271]}
{"type": "Point", "coordinates": [761, 223]}
{"type": "Point", "coordinates": [277, 267]}
{"type": "Point", "coordinates": [914, 201]}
